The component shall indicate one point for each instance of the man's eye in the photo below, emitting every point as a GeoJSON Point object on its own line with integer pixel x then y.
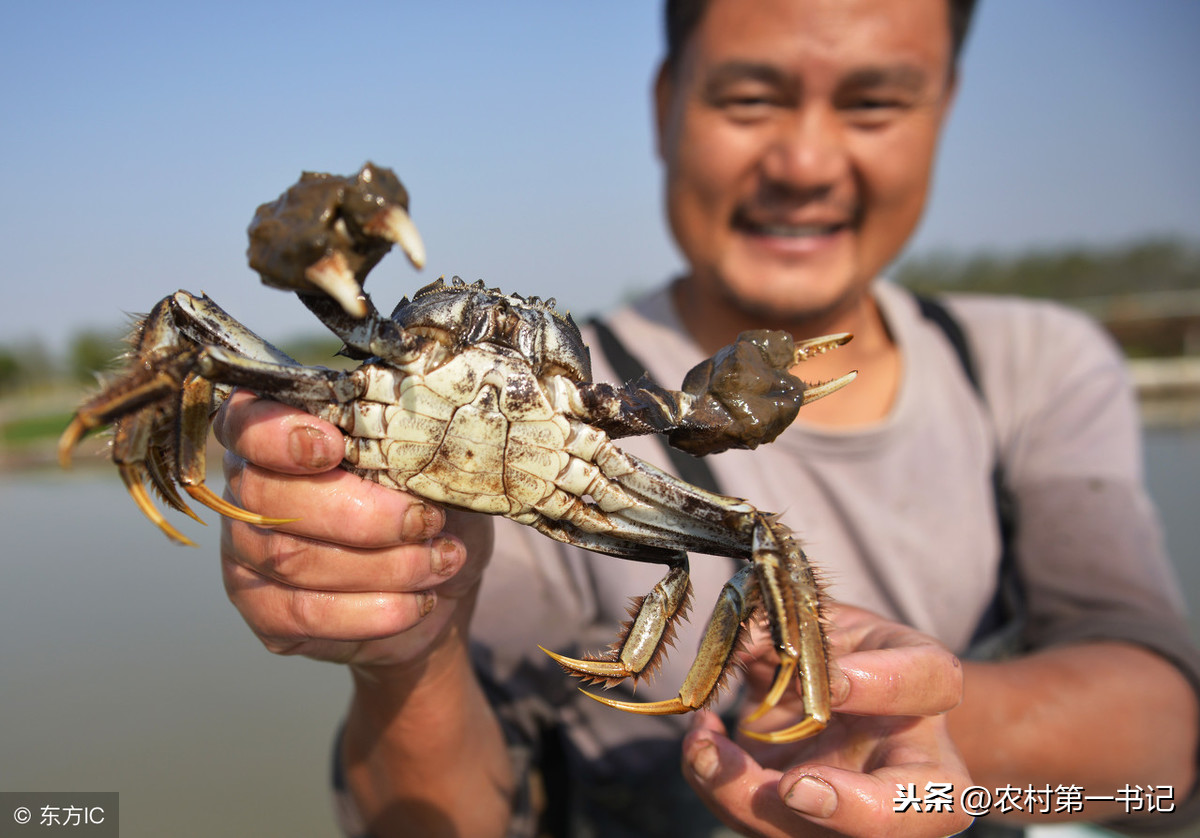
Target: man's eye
{"type": "Point", "coordinates": [874, 103]}
{"type": "Point", "coordinates": [871, 111]}
{"type": "Point", "coordinates": [746, 107]}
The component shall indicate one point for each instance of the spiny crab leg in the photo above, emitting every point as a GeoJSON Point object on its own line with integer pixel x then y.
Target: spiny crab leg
{"type": "Point", "coordinates": [712, 660]}
{"type": "Point", "coordinates": [86, 419]}
{"type": "Point", "coordinates": [778, 580]}
{"type": "Point", "coordinates": [132, 477]}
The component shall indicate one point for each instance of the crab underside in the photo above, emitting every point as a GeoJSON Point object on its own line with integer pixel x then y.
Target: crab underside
{"type": "Point", "coordinates": [483, 400]}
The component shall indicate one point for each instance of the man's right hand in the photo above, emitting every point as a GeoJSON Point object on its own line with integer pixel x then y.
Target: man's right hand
{"type": "Point", "coordinates": [365, 575]}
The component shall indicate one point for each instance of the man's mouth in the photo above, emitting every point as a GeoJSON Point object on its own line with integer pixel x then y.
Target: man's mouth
{"type": "Point", "coordinates": [794, 230]}
{"type": "Point", "coordinates": [778, 228]}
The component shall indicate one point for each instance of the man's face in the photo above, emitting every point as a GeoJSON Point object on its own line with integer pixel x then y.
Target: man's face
{"type": "Point", "coordinates": [798, 138]}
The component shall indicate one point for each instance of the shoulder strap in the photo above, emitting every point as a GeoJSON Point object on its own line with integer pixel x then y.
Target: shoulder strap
{"type": "Point", "coordinates": [692, 469]}
{"type": "Point", "coordinates": [1000, 626]}
{"type": "Point", "coordinates": [940, 316]}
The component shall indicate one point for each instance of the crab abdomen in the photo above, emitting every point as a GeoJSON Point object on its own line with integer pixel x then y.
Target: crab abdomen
{"type": "Point", "coordinates": [477, 432]}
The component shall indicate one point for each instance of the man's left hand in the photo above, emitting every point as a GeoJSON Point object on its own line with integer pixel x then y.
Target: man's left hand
{"type": "Point", "coordinates": [892, 687]}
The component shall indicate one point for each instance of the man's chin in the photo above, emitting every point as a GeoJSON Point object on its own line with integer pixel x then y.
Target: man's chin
{"type": "Point", "coordinates": [795, 299]}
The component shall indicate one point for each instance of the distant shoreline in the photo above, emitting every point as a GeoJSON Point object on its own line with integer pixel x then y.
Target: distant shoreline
{"type": "Point", "coordinates": [1168, 391]}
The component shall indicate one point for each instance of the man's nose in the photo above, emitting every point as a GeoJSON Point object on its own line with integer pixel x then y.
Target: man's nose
{"type": "Point", "coordinates": [808, 151]}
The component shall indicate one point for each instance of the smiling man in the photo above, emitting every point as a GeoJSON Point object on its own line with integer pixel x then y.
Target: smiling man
{"type": "Point", "coordinates": [798, 139]}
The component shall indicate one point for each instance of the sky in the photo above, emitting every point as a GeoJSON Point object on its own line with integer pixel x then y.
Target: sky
{"type": "Point", "coordinates": [137, 138]}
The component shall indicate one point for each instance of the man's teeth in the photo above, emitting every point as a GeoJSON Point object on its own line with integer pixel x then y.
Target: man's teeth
{"type": "Point", "coordinates": [797, 230]}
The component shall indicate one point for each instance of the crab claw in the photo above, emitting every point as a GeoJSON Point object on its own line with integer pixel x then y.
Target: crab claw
{"type": "Point", "coordinates": [331, 273]}
{"type": "Point", "coordinates": [327, 232]}
{"type": "Point", "coordinates": [395, 225]}
{"type": "Point", "coordinates": [812, 347]}
{"type": "Point", "coordinates": [820, 391]}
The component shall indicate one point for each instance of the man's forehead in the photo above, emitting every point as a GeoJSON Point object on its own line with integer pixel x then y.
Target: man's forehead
{"type": "Point", "coordinates": [879, 40]}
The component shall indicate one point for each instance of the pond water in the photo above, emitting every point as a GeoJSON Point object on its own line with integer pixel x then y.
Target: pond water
{"type": "Point", "coordinates": [123, 667]}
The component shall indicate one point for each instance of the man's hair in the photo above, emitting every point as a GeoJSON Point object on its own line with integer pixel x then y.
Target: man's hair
{"type": "Point", "coordinates": [683, 16]}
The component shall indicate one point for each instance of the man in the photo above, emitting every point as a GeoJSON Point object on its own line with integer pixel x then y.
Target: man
{"type": "Point", "coordinates": [798, 137]}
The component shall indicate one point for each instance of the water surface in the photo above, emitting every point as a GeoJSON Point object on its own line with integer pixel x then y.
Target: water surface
{"type": "Point", "coordinates": [125, 668]}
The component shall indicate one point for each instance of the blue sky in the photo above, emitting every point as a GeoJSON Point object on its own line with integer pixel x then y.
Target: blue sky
{"type": "Point", "coordinates": [139, 137]}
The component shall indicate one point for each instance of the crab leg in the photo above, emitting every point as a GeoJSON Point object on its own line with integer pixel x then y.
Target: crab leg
{"type": "Point", "coordinates": [713, 659]}
{"type": "Point", "coordinates": [786, 588]}
{"type": "Point", "coordinates": [794, 617]}
{"type": "Point", "coordinates": [133, 477]}
{"type": "Point", "coordinates": [742, 397]}
{"type": "Point", "coordinates": [162, 407]}
{"type": "Point", "coordinates": [780, 580]}
{"type": "Point", "coordinates": [644, 638]}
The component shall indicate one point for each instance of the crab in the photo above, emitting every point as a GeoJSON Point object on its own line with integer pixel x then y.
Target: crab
{"type": "Point", "coordinates": [482, 400]}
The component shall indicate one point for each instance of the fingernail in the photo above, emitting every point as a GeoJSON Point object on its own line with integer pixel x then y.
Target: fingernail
{"type": "Point", "coordinates": [812, 796]}
{"type": "Point", "coordinates": [427, 602]}
{"type": "Point", "coordinates": [418, 522]}
{"type": "Point", "coordinates": [443, 556]}
{"type": "Point", "coordinates": [311, 448]}
{"type": "Point", "coordinates": [705, 761]}
{"type": "Point", "coordinates": [839, 688]}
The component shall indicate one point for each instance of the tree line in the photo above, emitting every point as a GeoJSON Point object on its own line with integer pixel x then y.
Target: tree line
{"type": "Point", "coordinates": [1060, 273]}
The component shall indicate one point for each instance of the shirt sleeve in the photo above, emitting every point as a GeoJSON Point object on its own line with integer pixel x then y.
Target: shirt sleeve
{"type": "Point", "coordinates": [1089, 545]}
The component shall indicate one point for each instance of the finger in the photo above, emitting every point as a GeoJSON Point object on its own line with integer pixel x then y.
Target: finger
{"type": "Point", "coordinates": [738, 790]}
{"type": "Point", "coordinates": [882, 667]}
{"type": "Point", "coordinates": [824, 800]}
{"type": "Point", "coordinates": [276, 436]}
{"type": "Point", "coordinates": [321, 566]}
{"type": "Point", "coordinates": [922, 680]}
{"type": "Point", "coordinates": [852, 803]}
{"type": "Point", "coordinates": [334, 506]}
{"type": "Point", "coordinates": [285, 617]}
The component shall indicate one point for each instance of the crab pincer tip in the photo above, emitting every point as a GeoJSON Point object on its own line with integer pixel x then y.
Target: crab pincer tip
{"type": "Point", "coordinates": [670, 707]}
{"type": "Point", "coordinates": [70, 438]}
{"type": "Point", "coordinates": [395, 225]}
{"type": "Point", "coordinates": [818, 391]}
{"type": "Point", "coordinates": [332, 275]}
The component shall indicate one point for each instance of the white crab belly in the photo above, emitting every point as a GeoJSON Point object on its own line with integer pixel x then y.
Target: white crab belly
{"type": "Point", "coordinates": [489, 442]}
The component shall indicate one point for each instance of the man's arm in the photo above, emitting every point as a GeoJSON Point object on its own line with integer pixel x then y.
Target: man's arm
{"type": "Point", "coordinates": [423, 752]}
{"type": "Point", "coordinates": [1099, 715]}
{"type": "Point", "coordinates": [1102, 701]}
